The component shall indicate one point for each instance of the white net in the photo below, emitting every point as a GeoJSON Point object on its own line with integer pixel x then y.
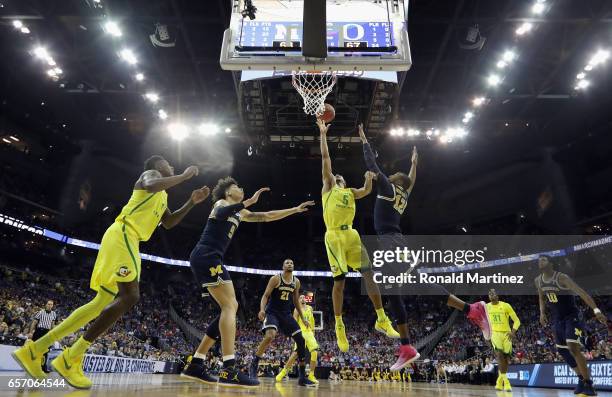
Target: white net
{"type": "Point", "coordinates": [314, 88]}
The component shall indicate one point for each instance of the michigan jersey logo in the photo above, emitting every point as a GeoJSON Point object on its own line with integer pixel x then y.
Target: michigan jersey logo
{"type": "Point", "coordinates": [123, 271]}
{"type": "Point", "coordinates": [215, 270]}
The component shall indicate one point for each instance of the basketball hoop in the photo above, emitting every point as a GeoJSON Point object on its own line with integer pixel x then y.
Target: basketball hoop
{"type": "Point", "coordinates": [314, 88]}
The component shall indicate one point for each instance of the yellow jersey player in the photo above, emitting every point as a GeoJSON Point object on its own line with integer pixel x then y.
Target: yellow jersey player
{"type": "Point", "coordinates": [501, 337]}
{"type": "Point", "coordinates": [343, 243]}
{"type": "Point", "coordinates": [116, 272]}
{"type": "Point", "coordinates": [309, 337]}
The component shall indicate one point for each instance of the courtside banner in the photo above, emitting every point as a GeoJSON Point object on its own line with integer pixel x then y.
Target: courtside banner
{"type": "Point", "coordinates": [559, 375]}
{"type": "Point", "coordinates": [473, 264]}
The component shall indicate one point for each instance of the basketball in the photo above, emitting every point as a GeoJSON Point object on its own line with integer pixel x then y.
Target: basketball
{"type": "Point", "coordinates": [329, 114]}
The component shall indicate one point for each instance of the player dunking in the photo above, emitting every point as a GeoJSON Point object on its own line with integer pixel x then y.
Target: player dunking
{"type": "Point", "coordinates": [502, 335]}
{"type": "Point", "coordinates": [275, 312]}
{"type": "Point", "coordinates": [556, 290]}
{"type": "Point", "coordinates": [116, 273]}
{"type": "Point", "coordinates": [343, 243]}
{"type": "Point", "coordinates": [391, 200]}
{"type": "Point", "coordinates": [311, 343]}
{"type": "Point", "coordinates": [206, 262]}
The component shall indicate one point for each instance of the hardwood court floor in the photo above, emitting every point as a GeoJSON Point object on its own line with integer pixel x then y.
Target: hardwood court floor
{"type": "Point", "coordinates": [140, 385]}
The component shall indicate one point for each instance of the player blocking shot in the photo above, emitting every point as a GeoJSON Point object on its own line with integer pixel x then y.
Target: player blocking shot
{"type": "Point", "coordinates": [307, 328]}
{"type": "Point", "coordinates": [206, 262]}
{"type": "Point", "coordinates": [391, 200]}
{"type": "Point", "coordinates": [343, 243]}
{"type": "Point", "coordinates": [557, 291]}
{"type": "Point", "coordinates": [502, 335]}
{"type": "Point", "coordinates": [275, 311]}
{"type": "Point", "coordinates": [116, 273]}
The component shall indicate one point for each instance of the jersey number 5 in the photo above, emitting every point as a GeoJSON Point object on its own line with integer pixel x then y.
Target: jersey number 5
{"type": "Point", "coordinates": [284, 295]}
{"type": "Point", "coordinates": [552, 297]}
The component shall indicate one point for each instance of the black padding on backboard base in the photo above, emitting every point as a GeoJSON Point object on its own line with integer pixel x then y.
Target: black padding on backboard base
{"type": "Point", "coordinates": [315, 29]}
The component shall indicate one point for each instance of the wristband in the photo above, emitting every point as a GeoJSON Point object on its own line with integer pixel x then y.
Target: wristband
{"type": "Point", "coordinates": [596, 311]}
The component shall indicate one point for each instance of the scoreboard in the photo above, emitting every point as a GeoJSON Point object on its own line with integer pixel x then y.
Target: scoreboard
{"type": "Point", "coordinates": [339, 34]}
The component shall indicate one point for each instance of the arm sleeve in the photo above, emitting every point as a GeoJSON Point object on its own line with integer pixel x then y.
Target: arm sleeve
{"type": "Point", "coordinates": [383, 184]}
{"type": "Point", "coordinates": [229, 210]}
{"type": "Point", "coordinates": [516, 323]}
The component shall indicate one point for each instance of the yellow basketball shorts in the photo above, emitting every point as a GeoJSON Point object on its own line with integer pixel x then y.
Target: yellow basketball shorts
{"type": "Point", "coordinates": [344, 251]}
{"type": "Point", "coordinates": [501, 342]}
{"type": "Point", "coordinates": [118, 259]}
{"type": "Point", "coordinates": [311, 342]}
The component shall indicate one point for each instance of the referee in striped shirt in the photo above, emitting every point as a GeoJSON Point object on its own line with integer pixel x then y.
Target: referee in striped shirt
{"type": "Point", "coordinates": [44, 320]}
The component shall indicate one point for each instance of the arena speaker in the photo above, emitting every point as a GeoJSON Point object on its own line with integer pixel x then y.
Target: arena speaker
{"type": "Point", "coordinates": [315, 29]}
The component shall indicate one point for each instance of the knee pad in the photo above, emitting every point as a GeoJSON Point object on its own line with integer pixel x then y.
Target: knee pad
{"type": "Point", "coordinates": [567, 356]}
{"type": "Point", "coordinates": [213, 329]}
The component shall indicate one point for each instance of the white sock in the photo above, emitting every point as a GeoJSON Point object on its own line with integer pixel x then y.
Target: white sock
{"type": "Point", "coordinates": [200, 355]}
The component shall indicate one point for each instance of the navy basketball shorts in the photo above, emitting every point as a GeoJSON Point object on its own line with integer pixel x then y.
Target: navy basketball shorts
{"type": "Point", "coordinates": [208, 267]}
{"type": "Point", "coordinates": [283, 322]}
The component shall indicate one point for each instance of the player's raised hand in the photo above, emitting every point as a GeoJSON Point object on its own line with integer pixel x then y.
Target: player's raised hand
{"type": "Point", "coordinates": [255, 196]}
{"type": "Point", "coordinates": [304, 206]}
{"type": "Point", "coordinates": [191, 171]}
{"type": "Point", "coordinates": [369, 175]}
{"type": "Point", "coordinates": [323, 128]}
{"type": "Point", "coordinates": [415, 155]}
{"type": "Point", "coordinates": [362, 135]}
{"type": "Point", "coordinates": [261, 315]}
{"type": "Point", "coordinates": [199, 195]}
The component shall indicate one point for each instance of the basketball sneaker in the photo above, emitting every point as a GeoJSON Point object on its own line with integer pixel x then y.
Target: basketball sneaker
{"type": "Point", "coordinates": [253, 369]}
{"type": "Point", "coordinates": [386, 328]}
{"type": "Point", "coordinates": [281, 375]}
{"type": "Point", "coordinates": [478, 316]}
{"type": "Point", "coordinates": [307, 382]}
{"type": "Point", "coordinates": [28, 359]}
{"type": "Point", "coordinates": [232, 377]}
{"type": "Point", "coordinates": [406, 355]}
{"type": "Point", "coordinates": [71, 369]}
{"type": "Point", "coordinates": [580, 387]}
{"type": "Point", "coordinates": [588, 389]}
{"type": "Point", "coordinates": [311, 377]}
{"type": "Point", "coordinates": [499, 385]}
{"type": "Point", "coordinates": [198, 373]}
{"type": "Point", "coordinates": [343, 344]}
{"type": "Point", "coordinates": [507, 386]}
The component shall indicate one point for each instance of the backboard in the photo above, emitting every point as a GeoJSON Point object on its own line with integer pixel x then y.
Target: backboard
{"type": "Point", "coordinates": [362, 35]}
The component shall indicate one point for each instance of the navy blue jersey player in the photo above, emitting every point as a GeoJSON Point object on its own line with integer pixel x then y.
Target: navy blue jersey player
{"type": "Point", "coordinates": [282, 292]}
{"type": "Point", "coordinates": [206, 262]}
{"type": "Point", "coordinates": [391, 201]}
{"type": "Point", "coordinates": [558, 291]}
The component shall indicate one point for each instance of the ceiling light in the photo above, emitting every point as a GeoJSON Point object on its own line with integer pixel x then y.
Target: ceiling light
{"type": "Point", "coordinates": [162, 114]}
{"type": "Point", "coordinates": [509, 56]}
{"type": "Point", "coordinates": [6, 140]}
{"type": "Point", "coordinates": [128, 56]}
{"type": "Point", "coordinates": [14, 138]}
{"type": "Point", "coordinates": [41, 53]}
{"type": "Point", "coordinates": [479, 101]}
{"type": "Point", "coordinates": [581, 75]}
{"type": "Point", "coordinates": [228, 130]}
{"type": "Point", "coordinates": [17, 24]}
{"type": "Point", "coordinates": [600, 57]}
{"type": "Point", "coordinates": [538, 8]}
{"type": "Point", "coordinates": [501, 64]}
{"type": "Point", "coordinates": [139, 77]}
{"type": "Point", "coordinates": [494, 80]}
{"type": "Point", "coordinates": [25, 30]}
{"type": "Point", "coordinates": [178, 131]}
{"type": "Point", "coordinates": [113, 29]}
{"type": "Point", "coordinates": [582, 84]}
{"type": "Point", "coordinates": [524, 28]}
{"type": "Point", "coordinates": [152, 96]}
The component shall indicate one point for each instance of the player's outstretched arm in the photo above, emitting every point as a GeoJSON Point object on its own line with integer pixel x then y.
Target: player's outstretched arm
{"type": "Point", "coordinates": [516, 322]}
{"type": "Point", "coordinates": [367, 186]}
{"type": "Point", "coordinates": [567, 282]}
{"type": "Point", "coordinates": [275, 215]}
{"type": "Point", "coordinates": [152, 180]}
{"type": "Point", "coordinates": [296, 302]}
{"type": "Point", "coordinates": [328, 176]}
{"type": "Point", "coordinates": [171, 219]}
{"type": "Point", "coordinates": [413, 168]}
{"type": "Point", "coordinates": [272, 283]}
